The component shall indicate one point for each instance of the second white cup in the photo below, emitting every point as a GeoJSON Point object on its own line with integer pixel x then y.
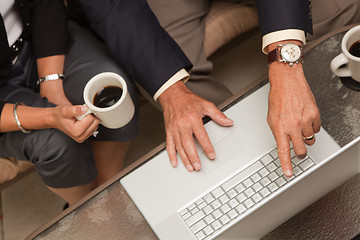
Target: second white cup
{"type": "Point", "coordinates": [350, 62]}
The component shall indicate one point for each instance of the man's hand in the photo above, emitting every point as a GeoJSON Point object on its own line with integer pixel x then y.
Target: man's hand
{"type": "Point", "coordinates": [183, 113]}
{"type": "Point", "coordinates": [292, 113]}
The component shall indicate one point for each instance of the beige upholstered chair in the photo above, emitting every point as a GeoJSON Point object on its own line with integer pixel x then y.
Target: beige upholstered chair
{"type": "Point", "coordinates": [12, 169]}
{"type": "Point", "coordinates": [225, 22]}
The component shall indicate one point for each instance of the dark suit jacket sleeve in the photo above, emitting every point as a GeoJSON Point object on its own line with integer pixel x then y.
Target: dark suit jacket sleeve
{"type": "Point", "coordinates": [47, 20]}
{"type": "Point", "coordinates": [136, 39]}
{"type": "Point", "coordinates": [275, 15]}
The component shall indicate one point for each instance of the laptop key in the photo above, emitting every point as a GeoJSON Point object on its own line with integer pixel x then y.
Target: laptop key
{"type": "Point", "coordinates": [264, 192]}
{"type": "Point", "coordinates": [239, 188]}
{"type": "Point", "coordinates": [215, 204]}
{"type": "Point", "coordinates": [238, 178]}
{"type": "Point", "coordinates": [186, 215]}
{"type": "Point", "coordinates": [233, 214]}
{"type": "Point", "coordinates": [247, 182]}
{"type": "Point", "coordinates": [198, 226]}
{"type": "Point", "coordinates": [209, 198]}
{"type": "Point", "coordinates": [217, 213]}
{"type": "Point", "coordinates": [233, 203]}
{"type": "Point", "coordinates": [297, 171]}
{"type": "Point", "coordinates": [194, 210]}
{"type": "Point", "coordinates": [271, 167]}
{"type": "Point", "coordinates": [225, 208]}
{"type": "Point", "coordinates": [248, 203]}
{"type": "Point", "coordinates": [257, 197]}
{"type": "Point", "coordinates": [265, 181]}
{"type": "Point", "coordinates": [272, 176]}
{"type": "Point", "coordinates": [209, 219]}
{"type": "Point", "coordinates": [240, 209]}
{"type": "Point", "coordinates": [208, 230]}
{"type": "Point", "coordinates": [266, 159]}
{"type": "Point", "coordinates": [274, 154]}
{"type": "Point", "coordinates": [257, 187]}
{"type": "Point", "coordinates": [263, 172]}
{"type": "Point", "coordinates": [202, 205]}
{"type": "Point", "coordinates": [183, 212]}
{"type": "Point", "coordinates": [194, 218]}
{"type": "Point", "coordinates": [297, 160]}
{"type": "Point", "coordinates": [241, 197]}
{"type": "Point", "coordinates": [224, 219]}
{"type": "Point", "coordinates": [217, 192]}
{"type": "Point", "coordinates": [216, 225]}
{"type": "Point", "coordinates": [255, 177]}
{"type": "Point", "coordinates": [224, 199]}
{"type": "Point", "coordinates": [200, 201]}
{"type": "Point", "coordinates": [231, 193]}
{"type": "Point", "coordinates": [191, 206]}
{"type": "Point", "coordinates": [200, 235]}
{"type": "Point", "coordinates": [272, 187]}
{"type": "Point", "coordinates": [306, 164]}
{"type": "Point", "coordinates": [208, 209]}
{"type": "Point", "coordinates": [249, 192]}
{"type": "Point", "coordinates": [280, 181]}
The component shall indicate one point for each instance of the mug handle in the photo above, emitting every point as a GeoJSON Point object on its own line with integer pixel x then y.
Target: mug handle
{"type": "Point", "coordinates": [338, 61]}
{"type": "Point", "coordinates": [82, 116]}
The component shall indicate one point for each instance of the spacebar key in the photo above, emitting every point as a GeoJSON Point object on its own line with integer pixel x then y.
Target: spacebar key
{"type": "Point", "coordinates": [241, 176]}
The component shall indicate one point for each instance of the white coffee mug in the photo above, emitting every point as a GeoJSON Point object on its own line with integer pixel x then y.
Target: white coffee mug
{"type": "Point", "coordinates": [350, 62]}
{"type": "Point", "coordinates": [117, 115]}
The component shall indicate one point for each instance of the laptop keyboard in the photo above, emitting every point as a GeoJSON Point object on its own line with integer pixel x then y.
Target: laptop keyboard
{"type": "Point", "coordinates": [232, 199]}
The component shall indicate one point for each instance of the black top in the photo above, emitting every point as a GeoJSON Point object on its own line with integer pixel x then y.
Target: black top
{"type": "Point", "coordinates": [45, 27]}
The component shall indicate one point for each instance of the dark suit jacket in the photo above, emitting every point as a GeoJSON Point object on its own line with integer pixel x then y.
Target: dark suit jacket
{"type": "Point", "coordinates": [275, 15]}
{"type": "Point", "coordinates": [136, 39]}
{"type": "Point", "coordinates": [149, 54]}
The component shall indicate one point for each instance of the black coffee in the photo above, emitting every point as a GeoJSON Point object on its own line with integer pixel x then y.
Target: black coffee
{"type": "Point", "coordinates": [107, 96]}
{"type": "Point", "coordinates": [355, 49]}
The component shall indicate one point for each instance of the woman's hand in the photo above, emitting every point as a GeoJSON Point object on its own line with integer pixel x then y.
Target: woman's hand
{"type": "Point", "coordinates": [65, 121]}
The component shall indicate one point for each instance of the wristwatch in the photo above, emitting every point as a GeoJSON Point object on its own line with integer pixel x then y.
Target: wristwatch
{"type": "Point", "coordinates": [50, 77]}
{"type": "Point", "coordinates": [289, 53]}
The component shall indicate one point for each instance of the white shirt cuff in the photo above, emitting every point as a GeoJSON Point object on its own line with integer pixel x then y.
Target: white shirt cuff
{"type": "Point", "coordinates": [180, 75]}
{"type": "Point", "coordinates": [288, 34]}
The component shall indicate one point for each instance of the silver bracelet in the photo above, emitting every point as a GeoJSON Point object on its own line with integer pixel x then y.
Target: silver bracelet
{"type": "Point", "coordinates": [50, 77]}
{"type": "Point", "coordinates": [17, 119]}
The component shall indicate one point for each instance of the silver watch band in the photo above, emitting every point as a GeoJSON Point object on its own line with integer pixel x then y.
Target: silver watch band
{"type": "Point", "coordinates": [50, 77]}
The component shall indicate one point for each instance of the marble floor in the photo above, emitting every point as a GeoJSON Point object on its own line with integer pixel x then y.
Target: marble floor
{"type": "Point", "coordinates": [28, 204]}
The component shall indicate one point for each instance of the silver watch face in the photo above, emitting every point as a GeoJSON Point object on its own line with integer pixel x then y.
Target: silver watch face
{"type": "Point", "coordinates": [290, 52]}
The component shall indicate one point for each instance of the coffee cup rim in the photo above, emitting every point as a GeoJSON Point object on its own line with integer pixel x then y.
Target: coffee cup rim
{"type": "Point", "coordinates": [102, 75]}
{"type": "Point", "coordinates": [344, 48]}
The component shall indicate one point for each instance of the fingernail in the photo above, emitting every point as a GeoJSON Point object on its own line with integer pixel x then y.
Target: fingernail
{"type": "Point", "coordinates": [302, 156]}
{"type": "Point", "coordinates": [197, 166]}
{"type": "Point", "coordinates": [84, 108]}
{"type": "Point", "coordinates": [288, 173]}
{"type": "Point", "coordinates": [189, 168]}
{"type": "Point", "coordinates": [212, 155]}
{"type": "Point", "coordinates": [173, 163]}
{"type": "Point", "coordinates": [229, 121]}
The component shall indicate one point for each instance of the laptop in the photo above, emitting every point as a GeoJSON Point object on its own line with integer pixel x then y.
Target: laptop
{"type": "Point", "coordinates": [242, 194]}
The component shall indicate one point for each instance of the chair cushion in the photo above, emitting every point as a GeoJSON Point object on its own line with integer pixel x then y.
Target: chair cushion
{"type": "Point", "coordinates": [225, 22]}
{"type": "Point", "coordinates": [11, 167]}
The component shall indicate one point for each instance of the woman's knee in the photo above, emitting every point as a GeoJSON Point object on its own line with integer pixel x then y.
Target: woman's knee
{"type": "Point", "coordinates": [61, 161]}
